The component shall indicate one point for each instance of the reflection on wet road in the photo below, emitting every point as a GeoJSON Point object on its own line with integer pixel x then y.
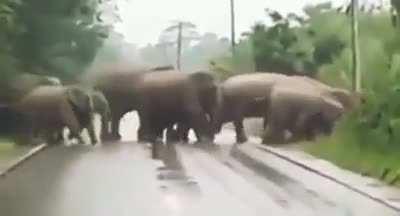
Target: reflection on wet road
{"type": "Point", "coordinates": [122, 179]}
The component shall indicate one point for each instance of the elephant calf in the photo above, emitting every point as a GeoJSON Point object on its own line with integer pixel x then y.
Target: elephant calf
{"type": "Point", "coordinates": [51, 108]}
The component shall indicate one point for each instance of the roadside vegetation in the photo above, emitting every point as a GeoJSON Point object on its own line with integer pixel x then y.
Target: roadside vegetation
{"type": "Point", "coordinates": [47, 37]}
{"type": "Point", "coordinates": [319, 45]}
{"type": "Point", "coordinates": [63, 38]}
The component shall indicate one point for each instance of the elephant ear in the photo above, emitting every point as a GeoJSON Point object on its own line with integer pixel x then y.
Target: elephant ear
{"type": "Point", "coordinates": [80, 99]}
{"type": "Point", "coordinates": [204, 80]}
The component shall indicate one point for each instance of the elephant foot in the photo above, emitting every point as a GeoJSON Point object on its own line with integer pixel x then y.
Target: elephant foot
{"type": "Point", "coordinates": [156, 149]}
{"type": "Point", "coordinates": [95, 142]}
{"type": "Point", "coordinates": [241, 139]}
{"type": "Point", "coordinates": [111, 137]}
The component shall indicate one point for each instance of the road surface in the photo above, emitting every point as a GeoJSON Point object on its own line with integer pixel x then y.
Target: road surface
{"type": "Point", "coordinates": [122, 179]}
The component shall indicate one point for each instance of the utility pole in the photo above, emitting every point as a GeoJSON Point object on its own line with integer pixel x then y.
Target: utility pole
{"type": "Point", "coordinates": [184, 31]}
{"type": "Point", "coordinates": [233, 27]}
{"type": "Point", "coordinates": [355, 47]}
{"type": "Point", "coordinates": [179, 46]}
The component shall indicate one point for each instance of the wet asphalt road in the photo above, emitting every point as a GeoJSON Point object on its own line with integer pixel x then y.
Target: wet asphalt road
{"type": "Point", "coordinates": [122, 179]}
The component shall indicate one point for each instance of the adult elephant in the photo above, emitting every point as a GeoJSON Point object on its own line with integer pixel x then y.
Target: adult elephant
{"type": "Point", "coordinates": [208, 93]}
{"type": "Point", "coordinates": [13, 89]}
{"type": "Point", "coordinates": [51, 108]}
{"type": "Point", "coordinates": [120, 88]}
{"type": "Point", "coordinates": [301, 110]}
{"type": "Point", "coordinates": [169, 97]}
{"type": "Point", "coordinates": [248, 95]}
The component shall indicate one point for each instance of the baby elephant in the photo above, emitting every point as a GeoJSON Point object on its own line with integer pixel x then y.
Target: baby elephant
{"type": "Point", "coordinates": [51, 108]}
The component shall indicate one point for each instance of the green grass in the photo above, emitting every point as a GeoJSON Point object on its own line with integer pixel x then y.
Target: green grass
{"type": "Point", "coordinates": [8, 149]}
{"type": "Point", "coordinates": [364, 159]}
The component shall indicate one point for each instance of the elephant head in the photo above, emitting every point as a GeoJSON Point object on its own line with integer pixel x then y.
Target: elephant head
{"type": "Point", "coordinates": [331, 110]}
{"type": "Point", "coordinates": [349, 100]}
{"type": "Point", "coordinates": [207, 88]}
{"type": "Point", "coordinates": [81, 101]}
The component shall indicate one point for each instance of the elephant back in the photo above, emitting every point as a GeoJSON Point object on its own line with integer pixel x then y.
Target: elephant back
{"type": "Point", "coordinates": [253, 85]}
{"type": "Point", "coordinates": [43, 101]}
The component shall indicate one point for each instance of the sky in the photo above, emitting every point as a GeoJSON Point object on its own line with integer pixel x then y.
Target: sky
{"type": "Point", "coordinates": [144, 20]}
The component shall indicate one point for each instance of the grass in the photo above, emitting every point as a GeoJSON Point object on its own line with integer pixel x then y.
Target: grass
{"type": "Point", "coordinates": [379, 162]}
{"type": "Point", "coordinates": [8, 149]}
{"type": "Point", "coordinates": [6, 146]}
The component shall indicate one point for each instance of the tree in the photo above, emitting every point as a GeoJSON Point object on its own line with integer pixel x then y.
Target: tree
{"type": "Point", "coordinates": [183, 31]}
{"type": "Point", "coordinates": [61, 36]}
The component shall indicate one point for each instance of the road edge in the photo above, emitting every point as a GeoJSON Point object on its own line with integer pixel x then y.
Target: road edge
{"type": "Point", "coordinates": [243, 156]}
{"type": "Point", "coordinates": [21, 160]}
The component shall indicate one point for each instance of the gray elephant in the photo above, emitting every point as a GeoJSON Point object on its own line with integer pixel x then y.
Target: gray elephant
{"type": "Point", "coordinates": [101, 107]}
{"type": "Point", "coordinates": [51, 108]}
{"type": "Point", "coordinates": [170, 97]}
{"type": "Point", "coordinates": [120, 88]}
{"type": "Point", "coordinates": [303, 112]}
{"type": "Point", "coordinates": [248, 95]}
{"type": "Point", "coordinates": [14, 89]}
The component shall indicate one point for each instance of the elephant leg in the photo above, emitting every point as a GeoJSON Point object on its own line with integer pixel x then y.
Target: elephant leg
{"type": "Point", "coordinates": [200, 128]}
{"type": "Point", "coordinates": [105, 126]}
{"type": "Point", "coordinates": [172, 135]}
{"type": "Point", "coordinates": [145, 133]}
{"type": "Point", "coordinates": [115, 126]}
{"type": "Point", "coordinates": [265, 121]}
{"type": "Point", "coordinates": [274, 135]}
{"type": "Point", "coordinates": [92, 133]}
{"type": "Point", "coordinates": [239, 129]}
{"type": "Point", "coordinates": [183, 133]}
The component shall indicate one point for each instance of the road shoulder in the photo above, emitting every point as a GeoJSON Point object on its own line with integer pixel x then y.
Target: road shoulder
{"type": "Point", "coordinates": [261, 156]}
{"type": "Point", "coordinates": [18, 157]}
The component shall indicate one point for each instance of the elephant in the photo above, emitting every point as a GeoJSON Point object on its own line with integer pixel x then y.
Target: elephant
{"type": "Point", "coordinates": [302, 111]}
{"type": "Point", "coordinates": [51, 108]}
{"type": "Point", "coordinates": [208, 101]}
{"type": "Point", "coordinates": [120, 88]}
{"type": "Point", "coordinates": [170, 97]}
{"type": "Point", "coordinates": [248, 95]}
{"type": "Point", "coordinates": [13, 90]}
{"type": "Point", "coordinates": [101, 107]}
{"type": "Point", "coordinates": [244, 95]}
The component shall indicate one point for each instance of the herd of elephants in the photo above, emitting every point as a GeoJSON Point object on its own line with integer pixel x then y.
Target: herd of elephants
{"type": "Point", "coordinates": [293, 107]}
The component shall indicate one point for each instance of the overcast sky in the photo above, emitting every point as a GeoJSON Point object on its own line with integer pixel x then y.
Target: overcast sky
{"type": "Point", "coordinates": [143, 20]}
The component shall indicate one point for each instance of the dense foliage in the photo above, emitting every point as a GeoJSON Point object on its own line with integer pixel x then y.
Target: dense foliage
{"type": "Point", "coordinates": [53, 37]}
